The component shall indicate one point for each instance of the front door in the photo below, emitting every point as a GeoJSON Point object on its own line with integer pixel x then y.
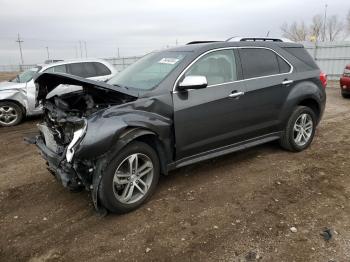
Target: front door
{"type": "Point", "coordinates": [212, 117]}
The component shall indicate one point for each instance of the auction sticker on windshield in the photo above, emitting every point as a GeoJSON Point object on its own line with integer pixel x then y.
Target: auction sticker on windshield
{"type": "Point", "coordinates": [170, 61]}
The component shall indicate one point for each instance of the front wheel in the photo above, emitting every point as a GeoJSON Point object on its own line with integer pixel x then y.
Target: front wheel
{"type": "Point", "coordinates": [300, 129]}
{"type": "Point", "coordinates": [130, 178]}
{"type": "Point", "coordinates": [11, 114]}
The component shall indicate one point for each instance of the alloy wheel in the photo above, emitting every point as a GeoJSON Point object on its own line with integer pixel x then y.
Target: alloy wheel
{"type": "Point", "coordinates": [303, 128]}
{"type": "Point", "coordinates": [8, 115]}
{"type": "Point", "coordinates": [133, 178]}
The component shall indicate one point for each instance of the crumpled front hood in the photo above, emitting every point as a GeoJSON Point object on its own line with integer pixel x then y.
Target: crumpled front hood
{"type": "Point", "coordinates": [47, 82]}
{"type": "Point", "coordinates": [11, 85]}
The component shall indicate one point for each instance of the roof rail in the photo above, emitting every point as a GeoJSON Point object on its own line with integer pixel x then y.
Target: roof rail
{"type": "Point", "coordinates": [201, 42]}
{"type": "Point", "coordinates": [264, 39]}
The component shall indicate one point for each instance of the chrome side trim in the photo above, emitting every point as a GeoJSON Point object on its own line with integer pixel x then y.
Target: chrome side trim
{"type": "Point", "coordinates": [228, 48]}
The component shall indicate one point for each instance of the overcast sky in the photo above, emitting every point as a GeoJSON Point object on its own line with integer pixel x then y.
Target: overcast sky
{"type": "Point", "coordinates": [137, 27]}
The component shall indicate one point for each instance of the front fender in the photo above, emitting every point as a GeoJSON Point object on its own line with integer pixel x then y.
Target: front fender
{"type": "Point", "coordinates": [110, 128]}
{"type": "Point", "coordinates": [18, 95]}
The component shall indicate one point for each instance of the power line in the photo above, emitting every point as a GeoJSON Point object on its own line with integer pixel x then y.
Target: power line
{"type": "Point", "coordinates": [19, 41]}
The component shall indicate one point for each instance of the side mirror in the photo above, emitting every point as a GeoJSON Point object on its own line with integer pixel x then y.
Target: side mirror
{"type": "Point", "coordinates": [193, 82]}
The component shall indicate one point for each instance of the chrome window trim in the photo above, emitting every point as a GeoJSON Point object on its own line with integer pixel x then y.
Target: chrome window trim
{"type": "Point", "coordinates": [241, 80]}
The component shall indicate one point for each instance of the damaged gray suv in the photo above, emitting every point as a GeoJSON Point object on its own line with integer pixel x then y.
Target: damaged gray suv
{"type": "Point", "coordinates": [174, 108]}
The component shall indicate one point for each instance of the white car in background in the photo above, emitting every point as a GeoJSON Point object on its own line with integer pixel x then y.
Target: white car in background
{"type": "Point", "coordinates": [17, 97]}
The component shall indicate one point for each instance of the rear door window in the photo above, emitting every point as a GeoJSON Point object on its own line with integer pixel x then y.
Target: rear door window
{"type": "Point", "coordinates": [85, 69]}
{"type": "Point", "coordinates": [258, 62]}
{"type": "Point", "coordinates": [101, 69]}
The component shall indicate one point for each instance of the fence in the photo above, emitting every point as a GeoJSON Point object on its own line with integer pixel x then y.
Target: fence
{"type": "Point", "coordinates": [119, 63]}
{"type": "Point", "coordinates": [331, 57]}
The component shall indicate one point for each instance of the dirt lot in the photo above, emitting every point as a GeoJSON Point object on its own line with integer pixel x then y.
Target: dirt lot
{"type": "Point", "coordinates": [239, 207]}
{"type": "Point", "coordinates": [7, 75]}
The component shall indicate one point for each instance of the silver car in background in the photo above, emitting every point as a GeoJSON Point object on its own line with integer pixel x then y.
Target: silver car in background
{"type": "Point", "coordinates": [17, 97]}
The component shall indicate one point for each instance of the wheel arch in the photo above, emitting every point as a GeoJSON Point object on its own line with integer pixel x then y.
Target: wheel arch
{"type": "Point", "coordinates": [313, 105]}
{"type": "Point", "coordinates": [24, 111]}
{"type": "Point", "coordinates": [304, 93]}
{"type": "Point", "coordinates": [147, 136]}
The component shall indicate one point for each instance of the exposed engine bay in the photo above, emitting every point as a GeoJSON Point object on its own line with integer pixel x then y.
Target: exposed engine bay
{"type": "Point", "coordinates": [64, 114]}
{"type": "Point", "coordinates": [64, 124]}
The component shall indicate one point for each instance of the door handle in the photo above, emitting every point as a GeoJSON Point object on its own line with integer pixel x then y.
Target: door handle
{"type": "Point", "coordinates": [235, 94]}
{"type": "Point", "coordinates": [287, 82]}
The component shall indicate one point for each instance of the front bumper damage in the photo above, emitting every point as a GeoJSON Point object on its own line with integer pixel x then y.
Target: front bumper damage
{"type": "Point", "coordinates": [76, 175]}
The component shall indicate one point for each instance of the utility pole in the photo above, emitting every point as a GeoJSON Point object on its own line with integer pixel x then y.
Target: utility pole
{"type": "Point", "coordinates": [176, 42]}
{"type": "Point", "coordinates": [19, 41]}
{"type": "Point", "coordinates": [81, 50]}
{"type": "Point", "coordinates": [85, 49]}
{"type": "Point", "coordinates": [48, 54]}
{"type": "Point", "coordinates": [324, 23]}
{"type": "Point", "coordinates": [76, 51]}
{"type": "Point", "coordinates": [118, 52]}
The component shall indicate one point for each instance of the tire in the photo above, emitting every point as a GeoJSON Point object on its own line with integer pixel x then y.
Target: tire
{"type": "Point", "coordinates": [115, 189]}
{"type": "Point", "coordinates": [11, 114]}
{"type": "Point", "coordinates": [345, 95]}
{"type": "Point", "coordinates": [290, 139]}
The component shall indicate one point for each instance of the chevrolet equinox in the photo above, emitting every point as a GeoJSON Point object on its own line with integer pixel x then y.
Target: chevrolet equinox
{"type": "Point", "coordinates": [174, 108]}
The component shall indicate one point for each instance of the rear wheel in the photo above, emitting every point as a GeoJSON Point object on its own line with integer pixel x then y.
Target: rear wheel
{"type": "Point", "coordinates": [130, 178]}
{"type": "Point", "coordinates": [11, 114]}
{"type": "Point", "coordinates": [300, 129]}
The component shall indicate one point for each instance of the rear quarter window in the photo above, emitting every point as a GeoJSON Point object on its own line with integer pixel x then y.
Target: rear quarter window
{"type": "Point", "coordinates": [101, 69]}
{"type": "Point", "coordinates": [302, 55]}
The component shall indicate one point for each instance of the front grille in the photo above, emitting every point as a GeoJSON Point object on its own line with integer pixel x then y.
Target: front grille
{"type": "Point", "coordinates": [50, 141]}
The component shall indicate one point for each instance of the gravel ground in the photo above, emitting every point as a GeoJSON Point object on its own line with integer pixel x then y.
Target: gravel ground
{"type": "Point", "coordinates": [240, 207]}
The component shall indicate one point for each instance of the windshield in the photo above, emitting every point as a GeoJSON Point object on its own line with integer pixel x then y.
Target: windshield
{"type": "Point", "coordinates": [27, 75]}
{"type": "Point", "coordinates": [149, 71]}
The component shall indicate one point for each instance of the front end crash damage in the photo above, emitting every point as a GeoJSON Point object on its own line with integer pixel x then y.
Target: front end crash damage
{"type": "Point", "coordinates": [83, 130]}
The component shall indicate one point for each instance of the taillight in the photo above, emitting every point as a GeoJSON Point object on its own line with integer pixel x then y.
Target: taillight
{"type": "Point", "coordinates": [323, 79]}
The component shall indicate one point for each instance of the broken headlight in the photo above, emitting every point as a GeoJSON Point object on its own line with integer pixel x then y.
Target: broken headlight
{"type": "Point", "coordinates": [77, 137]}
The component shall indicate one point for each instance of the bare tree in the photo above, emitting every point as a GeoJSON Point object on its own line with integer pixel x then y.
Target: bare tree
{"type": "Point", "coordinates": [334, 28]}
{"type": "Point", "coordinates": [296, 32]}
{"type": "Point", "coordinates": [315, 30]}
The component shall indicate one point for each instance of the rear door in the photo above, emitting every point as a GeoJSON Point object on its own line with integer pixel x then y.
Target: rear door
{"type": "Point", "coordinates": [209, 118]}
{"type": "Point", "coordinates": [266, 85]}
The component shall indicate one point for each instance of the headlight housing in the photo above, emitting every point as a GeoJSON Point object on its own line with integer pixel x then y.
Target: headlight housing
{"type": "Point", "coordinates": [77, 137]}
